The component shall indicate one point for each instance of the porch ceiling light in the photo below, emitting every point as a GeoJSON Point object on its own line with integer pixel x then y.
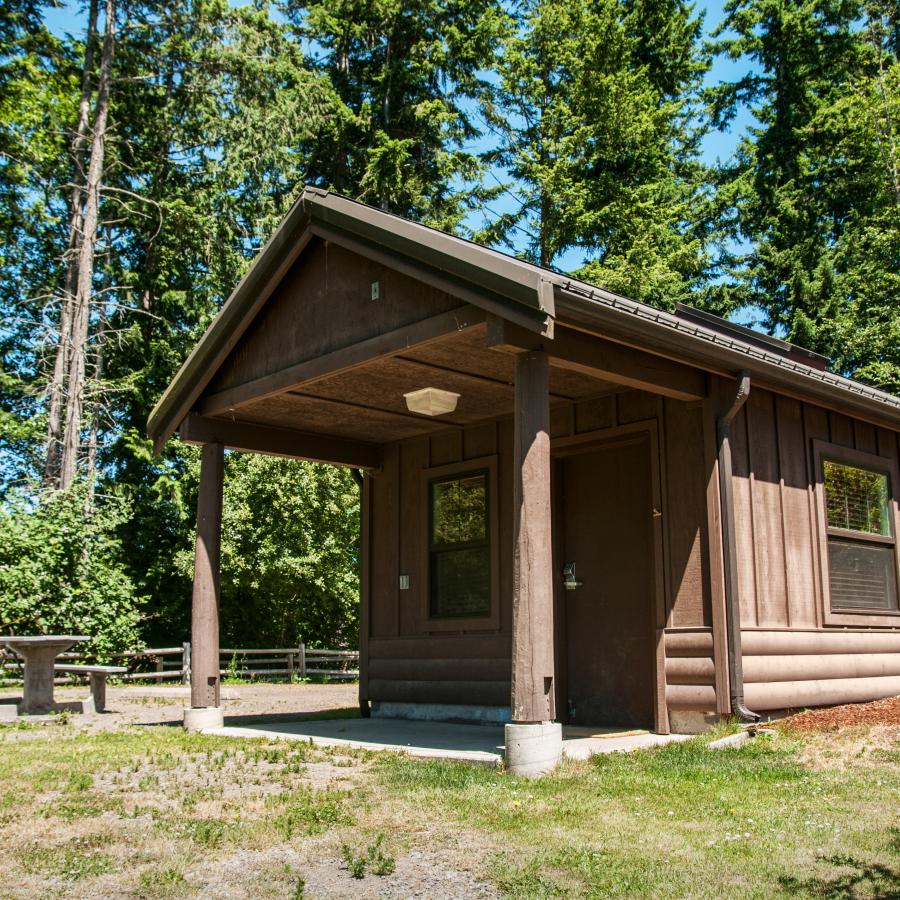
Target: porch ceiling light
{"type": "Point", "coordinates": [431, 401]}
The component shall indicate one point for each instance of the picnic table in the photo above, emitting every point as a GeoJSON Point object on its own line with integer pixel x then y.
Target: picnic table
{"type": "Point", "coordinates": [39, 654]}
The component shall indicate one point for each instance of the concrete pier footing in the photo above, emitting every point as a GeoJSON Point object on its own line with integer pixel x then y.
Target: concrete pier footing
{"type": "Point", "coordinates": [533, 749]}
{"type": "Point", "coordinates": [199, 718]}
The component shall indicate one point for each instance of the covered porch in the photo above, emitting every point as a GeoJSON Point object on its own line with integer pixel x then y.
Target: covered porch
{"type": "Point", "coordinates": [313, 358]}
{"type": "Point", "coordinates": [355, 415]}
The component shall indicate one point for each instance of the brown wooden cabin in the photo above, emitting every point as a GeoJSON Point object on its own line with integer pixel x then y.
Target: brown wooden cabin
{"type": "Point", "coordinates": [630, 517]}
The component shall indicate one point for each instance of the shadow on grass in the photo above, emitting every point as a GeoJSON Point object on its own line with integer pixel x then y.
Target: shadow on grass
{"type": "Point", "coordinates": [861, 880]}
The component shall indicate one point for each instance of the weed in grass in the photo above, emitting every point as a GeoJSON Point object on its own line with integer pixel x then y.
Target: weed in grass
{"type": "Point", "coordinates": [307, 812]}
{"type": "Point", "coordinates": [380, 863]}
{"type": "Point", "coordinates": [299, 889]}
{"type": "Point", "coordinates": [161, 882]}
{"type": "Point", "coordinates": [208, 832]}
{"type": "Point", "coordinates": [79, 781]}
{"type": "Point", "coordinates": [374, 859]}
{"type": "Point", "coordinates": [525, 882]}
{"type": "Point", "coordinates": [20, 724]}
{"type": "Point", "coordinates": [356, 865]}
{"type": "Point", "coordinates": [82, 806]}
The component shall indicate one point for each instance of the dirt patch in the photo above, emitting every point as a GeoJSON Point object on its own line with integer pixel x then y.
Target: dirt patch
{"type": "Point", "coordinates": [245, 703]}
{"type": "Point", "coordinates": [878, 712]}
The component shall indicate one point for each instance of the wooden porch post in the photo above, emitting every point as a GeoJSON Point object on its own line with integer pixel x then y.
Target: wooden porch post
{"type": "Point", "coordinates": [532, 625]}
{"type": "Point", "coordinates": [205, 608]}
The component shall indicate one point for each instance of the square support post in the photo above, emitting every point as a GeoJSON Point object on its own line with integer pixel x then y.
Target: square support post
{"type": "Point", "coordinates": [533, 740]}
{"type": "Point", "coordinates": [205, 711]}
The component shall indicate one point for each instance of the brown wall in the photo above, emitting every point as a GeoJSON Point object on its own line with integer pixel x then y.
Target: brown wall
{"type": "Point", "coordinates": [317, 309]}
{"type": "Point", "coordinates": [791, 657]}
{"type": "Point", "coordinates": [410, 663]}
{"type": "Point", "coordinates": [775, 504]}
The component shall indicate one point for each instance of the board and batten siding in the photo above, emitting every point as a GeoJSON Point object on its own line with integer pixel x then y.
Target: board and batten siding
{"type": "Point", "coordinates": [408, 660]}
{"type": "Point", "coordinates": [322, 305]}
{"type": "Point", "coordinates": [791, 657]}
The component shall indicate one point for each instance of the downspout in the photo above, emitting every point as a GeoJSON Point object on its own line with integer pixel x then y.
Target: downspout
{"type": "Point", "coordinates": [729, 552]}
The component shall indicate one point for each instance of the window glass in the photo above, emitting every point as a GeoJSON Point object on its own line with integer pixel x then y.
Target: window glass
{"type": "Point", "coordinates": [857, 499]}
{"type": "Point", "coordinates": [862, 574]}
{"type": "Point", "coordinates": [459, 549]}
{"type": "Point", "coordinates": [459, 510]}
{"type": "Point", "coordinates": [461, 583]}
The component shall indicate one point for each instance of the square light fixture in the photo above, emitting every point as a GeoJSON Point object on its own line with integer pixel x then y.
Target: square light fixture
{"type": "Point", "coordinates": [431, 401]}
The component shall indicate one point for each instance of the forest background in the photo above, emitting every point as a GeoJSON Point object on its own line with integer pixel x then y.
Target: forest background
{"type": "Point", "coordinates": [742, 158]}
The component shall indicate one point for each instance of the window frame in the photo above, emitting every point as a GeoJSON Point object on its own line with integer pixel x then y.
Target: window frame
{"type": "Point", "coordinates": [491, 622]}
{"type": "Point", "coordinates": [823, 452]}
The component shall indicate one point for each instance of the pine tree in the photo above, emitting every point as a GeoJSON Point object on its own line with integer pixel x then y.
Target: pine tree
{"type": "Point", "coordinates": [812, 192]}
{"type": "Point", "coordinates": [405, 72]}
{"type": "Point", "coordinates": [594, 111]}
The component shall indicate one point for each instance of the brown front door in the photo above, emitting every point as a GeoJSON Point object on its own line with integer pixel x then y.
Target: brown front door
{"type": "Point", "coordinates": [608, 651]}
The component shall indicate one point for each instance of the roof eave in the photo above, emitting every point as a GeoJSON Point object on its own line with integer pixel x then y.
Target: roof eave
{"type": "Point", "coordinates": [508, 283]}
{"type": "Point", "coordinates": [223, 333]}
{"type": "Point", "coordinates": [658, 331]}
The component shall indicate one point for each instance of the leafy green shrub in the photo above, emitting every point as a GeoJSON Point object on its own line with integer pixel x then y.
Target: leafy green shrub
{"type": "Point", "coordinates": [62, 570]}
{"type": "Point", "coordinates": [290, 553]}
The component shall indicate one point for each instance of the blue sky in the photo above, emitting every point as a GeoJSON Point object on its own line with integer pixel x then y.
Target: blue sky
{"type": "Point", "coordinates": [70, 18]}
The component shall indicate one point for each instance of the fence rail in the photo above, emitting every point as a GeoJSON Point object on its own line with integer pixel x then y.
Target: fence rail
{"type": "Point", "coordinates": [168, 663]}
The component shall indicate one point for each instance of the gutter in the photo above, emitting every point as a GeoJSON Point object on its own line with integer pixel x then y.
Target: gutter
{"type": "Point", "coordinates": [601, 312]}
{"type": "Point", "coordinates": [729, 552]}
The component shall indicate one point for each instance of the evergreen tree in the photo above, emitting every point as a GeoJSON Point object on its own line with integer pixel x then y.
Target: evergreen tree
{"type": "Point", "coordinates": [594, 114]}
{"type": "Point", "coordinates": [812, 192]}
{"type": "Point", "coordinates": [206, 108]}
{"type": "Point", "coordinates": [405, 72]}
{"type": "Point", "coordinates": [36, 103]}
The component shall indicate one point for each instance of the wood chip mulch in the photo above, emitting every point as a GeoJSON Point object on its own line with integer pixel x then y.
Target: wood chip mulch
{"type": "Point", "coordinates": [879, 712]}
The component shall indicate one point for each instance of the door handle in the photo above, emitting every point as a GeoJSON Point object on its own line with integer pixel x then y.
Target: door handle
{"type": "Point", "coordinates": [569, 580]}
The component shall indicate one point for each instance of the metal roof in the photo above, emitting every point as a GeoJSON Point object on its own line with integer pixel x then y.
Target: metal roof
{"type": "Point", "coordinates": [528, 294]}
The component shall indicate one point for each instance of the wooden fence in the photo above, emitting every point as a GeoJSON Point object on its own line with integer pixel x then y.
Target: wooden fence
{"type": "Point", "coordinates": [279, 663]}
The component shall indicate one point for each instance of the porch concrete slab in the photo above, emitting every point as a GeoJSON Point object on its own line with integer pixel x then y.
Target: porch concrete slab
{"type": "Point", "coordinates": [432, 740]}
{"type": "Point", "coordinates": [482, 744]}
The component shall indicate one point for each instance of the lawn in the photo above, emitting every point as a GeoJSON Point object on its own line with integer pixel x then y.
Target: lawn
{"type": "Point", "coordinates": [153, 812]}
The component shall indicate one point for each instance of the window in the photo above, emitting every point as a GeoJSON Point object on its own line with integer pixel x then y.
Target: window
{"type": "Point", "coordinates": [459, 547]}
{"type": "Point", "coordinates": [859, 514]}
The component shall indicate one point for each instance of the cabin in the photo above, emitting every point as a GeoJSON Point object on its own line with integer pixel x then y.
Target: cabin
{"type": "Point", "coordinates": [575, 508]}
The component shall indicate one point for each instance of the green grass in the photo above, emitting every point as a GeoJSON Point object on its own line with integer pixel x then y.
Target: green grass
{"type": "Point", "coordinates": [70, 863]}
{"type": "Point", "coordinates": [145, 809]}
{"type": "Point", "coordinates": [680, 820]}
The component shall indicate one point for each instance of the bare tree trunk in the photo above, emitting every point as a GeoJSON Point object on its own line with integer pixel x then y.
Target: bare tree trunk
{"type": "Point", "coordinates": [61, 359]}
{"type": "Point", "coordinates": [96, 409]}
{"type": "Point", "coordinates": [81, 308]}
{"type": "Point", "coordinates": [96, 393]}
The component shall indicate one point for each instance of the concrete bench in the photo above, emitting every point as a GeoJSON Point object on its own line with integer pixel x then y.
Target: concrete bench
{"type": "Point", "coordinates": [97, 676]}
